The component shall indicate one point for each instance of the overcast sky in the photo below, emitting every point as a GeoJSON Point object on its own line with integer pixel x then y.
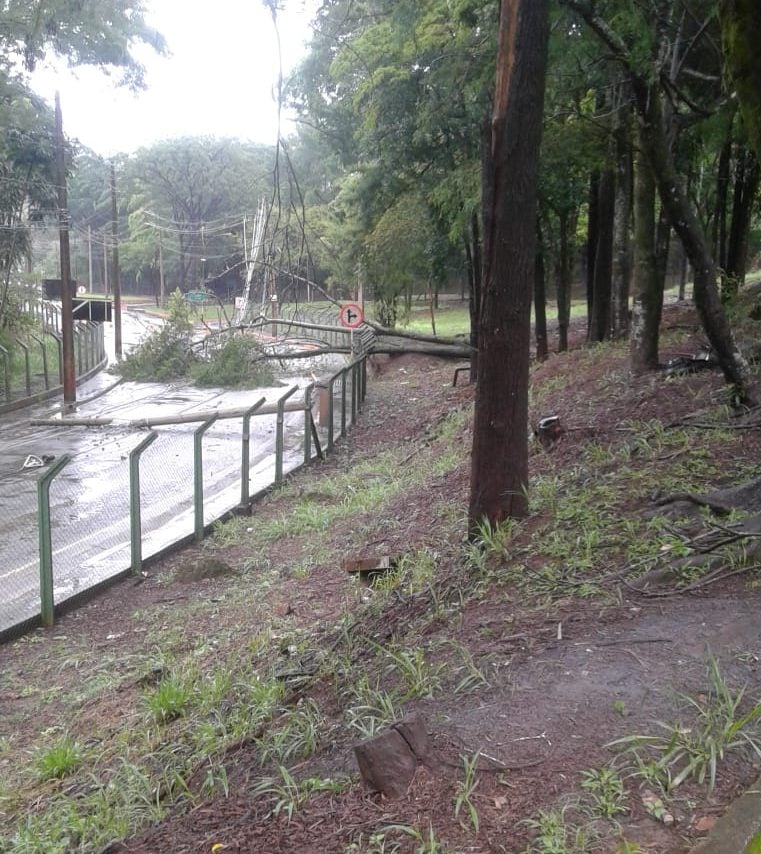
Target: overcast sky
{"type": "Point", "coordinates": [219, 77]}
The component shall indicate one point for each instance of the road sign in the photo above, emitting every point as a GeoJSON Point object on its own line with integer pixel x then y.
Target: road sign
{"type": "Point", "coordinates": [351, 315]}
{"type": "Point", "coordinates": [197, 296]}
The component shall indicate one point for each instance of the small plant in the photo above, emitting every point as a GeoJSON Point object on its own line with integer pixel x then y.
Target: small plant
{"type": "Point", "coordinates": [296, 736]}
{"type": "Point", "coordinates": [427, 844]}
{"type": "Point", "coordinates": [555, 835]}
{"type": "Point", "coordinates": [59, 760]}
{"type": "Point", "coordinates": [170, 699]}
{"type": "Point", "coordinates": [606, 789]}
{"type": "Point", "coordinates": [419, 677]}
{"type": "Point", "coordinates": [289, 796]}
{"type": "Point", "coordinates": [374, 710]}
{"type": "Point", "coordinates": [376, 844]}
{"type": "Point", "coordinates": [465, 789]}
{"type": "Point", "coordinates": [493, 539]}
{"type": "Point", "coordinates": [684, 752]}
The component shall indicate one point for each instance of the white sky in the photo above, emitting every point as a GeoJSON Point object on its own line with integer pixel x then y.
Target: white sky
{"type": "Point", "coordinates": [218, 79]}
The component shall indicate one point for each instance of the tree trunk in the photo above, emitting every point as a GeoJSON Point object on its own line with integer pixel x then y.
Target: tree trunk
{"type": "Point", "coordinates": [592, 240]}
{"type": "Point", "coordinates": [602, 279]}
{"type": "Point", "coordinates": [622, 220]}
{"type": "Point", "coordinates": [499, 470]}
{"type": "Point", "coordinates": [648, 297]}
{"type": "Point", "coordinates": [685, 223]}
{"type": "Point", "coordinates": [747, 175]}
{"type": "Point", "coordinates": [564, 282]}
{"type": "Point", "coordinates": [540, 298]}
{"type": "Point", "coordinates": [741, 37]}
{"type": "Point", "coordinates": [719, 226]}
{"type": "Point", "coordinates": [475, 293]}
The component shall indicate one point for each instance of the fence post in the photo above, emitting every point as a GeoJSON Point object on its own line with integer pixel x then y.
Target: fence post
{"type": "Point", "coordinates": [364, 377]}
{"type": "Point", "coordinates": [308, 422]}
{"type": "Point", "coordinates": [135, 523]}
{"type": "Point", "coordinates": [354, 391]}
{"type": "Point", "coordinates": [78, 365]}
{"type": "Point", "coordinates": [44, 349]}
{"type": "Point", "coordinates": [245, 475]}
{"type": "Point", "coordinates": [59, 341]}
{"type": "Point", "coordinates": [279, 434]}
{"type": "Point", "coordinates": [331, 408]}
{"type": "Point", "coordinates": [47, 603]}
{"type": "Point", "coordinates": [343, 401]}
{"type": "Point", "coordinates": [198, 476]}
{"type": "Point", "coordinates": [27, 366]}
{"type": "Point", "coordinates": [7, 372]}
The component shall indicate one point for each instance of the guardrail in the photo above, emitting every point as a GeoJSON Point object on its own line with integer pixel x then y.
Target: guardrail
{"type": "Point", "coordinates": [67, 546]}
{"type": "Point", "coordinates": [33, 370]}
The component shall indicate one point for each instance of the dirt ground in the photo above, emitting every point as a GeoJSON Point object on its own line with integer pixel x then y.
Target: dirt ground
{"type": "Point", "coordinates": [566, 674]}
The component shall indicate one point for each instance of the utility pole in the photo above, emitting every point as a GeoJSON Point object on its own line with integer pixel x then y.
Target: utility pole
{"type": "Point", "coordinates": [161, 271]}
{"type": "Point", "coordinates": [89, 259]}
{"type": "Point", "coordinates": [117, 279]}
{"type": "Point", "coordinates": [67, 316]}
{"type": "Point", "coordinates": [105, 263]}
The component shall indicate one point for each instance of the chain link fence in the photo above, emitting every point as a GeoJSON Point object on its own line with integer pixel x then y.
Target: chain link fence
{"type": "Point", "coordinates": [91, 517]}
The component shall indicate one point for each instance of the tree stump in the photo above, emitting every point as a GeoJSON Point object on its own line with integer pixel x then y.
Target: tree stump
{"type": "Point", "coordinates": [387, 763]}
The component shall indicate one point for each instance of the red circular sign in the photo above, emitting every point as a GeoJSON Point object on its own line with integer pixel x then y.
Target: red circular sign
{"type": "Point", "coordinates": [351, 315]}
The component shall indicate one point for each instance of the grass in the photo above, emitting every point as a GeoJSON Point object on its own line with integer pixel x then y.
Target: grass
{"type": "Point", "coordinates": [192, 693]}
{"type": "Point", "coordinates": [683, 751]}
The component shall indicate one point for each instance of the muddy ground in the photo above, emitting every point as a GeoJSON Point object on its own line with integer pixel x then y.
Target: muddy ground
{"type": "Point", "coordinates": [569, 662]}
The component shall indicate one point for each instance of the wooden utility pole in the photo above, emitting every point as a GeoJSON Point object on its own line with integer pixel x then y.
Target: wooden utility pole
{"type": "Point", "coordinates": [162, 295]}
{"type": "Point", "coordinates": [105, 263]}
{"type": "Point", "coordinates": [67, 316]}
{"type": "Point", "coordinates": [89, 259]}
{"type": "Point", "coordinates": [117, 278]}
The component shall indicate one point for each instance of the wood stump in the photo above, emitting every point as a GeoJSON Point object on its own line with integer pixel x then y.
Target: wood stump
{"type": "Point", "coordinates": [388, 762]}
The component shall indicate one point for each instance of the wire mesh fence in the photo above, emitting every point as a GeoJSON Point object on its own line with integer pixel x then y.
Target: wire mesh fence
{"type": "Point", "coordinates": [132, 494]}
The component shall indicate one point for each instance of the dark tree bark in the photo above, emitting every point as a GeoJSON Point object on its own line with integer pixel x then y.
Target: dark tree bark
{"type": "Point", "coordinates": [662, 246]}
{"type": "Point", "coordinates": [592, 240]}
{"type": "Point", "coordinates": [475, 292]}
{"type": "Point", "coordinates": [599, 329]}
{"type": "Point", "coordinates": [621, 227]}
{"type": "Point", "coordinates": [741, 37]}
{"type": "Point", "coordinates": [499, 470]}
{"type": "Point", "coordinates": [747, 175]}
{"type": "Point", "coordinates": [656, 143]}
{"type": "Point", "coordinates": [719, 225]}
{"type": "Point", "coordinates": [564, 278]}
{"type": "Point", "coordinates": [540, 297]}
{"type": "Point", "coordinates": [648, 297]}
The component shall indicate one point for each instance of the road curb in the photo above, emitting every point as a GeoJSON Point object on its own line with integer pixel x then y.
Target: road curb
{"type": "Point", "coordinates": [739, 824]}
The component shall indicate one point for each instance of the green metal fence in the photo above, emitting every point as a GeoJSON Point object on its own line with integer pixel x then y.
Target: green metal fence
{"type": "Point", "coordinates": [32, 367]}
{"type": "Point", "coordinates": [72, 539]}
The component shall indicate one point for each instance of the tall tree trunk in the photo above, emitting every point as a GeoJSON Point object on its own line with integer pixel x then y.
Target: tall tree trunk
{"type": "Point", "coordinates": [599, 329]}
{"type": "Point", "coordinates": [593, 220]}
{"type": "Point", "coordinates": [475, 293]}
{"type": "Point", "coordinates": [564, 281]}
{"type": "Point", "coordinates": [685, 223]}
{"type": "Point", "coordinates": [741, 37]}
{"type": "Point", "coordinates": [648, 296]}
{"type": "Point", "coordinates": [719, 226]}
{"type": "Point", "coordinates": [499, 469]}
{"type": "Point", "coordinates": [623, 211]}
{"type": "Point", "coordinates": [540, 297]}
{"type": "Point", "coordinates": [747, 175]}
{"type": "Point", "coordinates": [662, 247]}
{"type": "Point", "coordinates": [657, 145]}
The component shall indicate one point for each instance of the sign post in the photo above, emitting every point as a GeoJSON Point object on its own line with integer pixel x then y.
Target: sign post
{"type": "Point", "coordinates": [351, 316]}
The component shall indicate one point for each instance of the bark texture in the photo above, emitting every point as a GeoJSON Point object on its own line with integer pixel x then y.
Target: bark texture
{"type": "Point", "coordinates": [499, 472]}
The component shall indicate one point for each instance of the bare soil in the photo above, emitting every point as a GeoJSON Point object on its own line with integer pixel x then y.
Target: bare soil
{"type": "Point", "coordinates": [567, 674]}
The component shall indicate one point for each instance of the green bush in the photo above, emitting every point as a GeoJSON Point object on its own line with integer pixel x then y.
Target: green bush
{"type": "Point", "coordinates": [235, 363]}
{"type": "Point", "coordinates": [164, 355]}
